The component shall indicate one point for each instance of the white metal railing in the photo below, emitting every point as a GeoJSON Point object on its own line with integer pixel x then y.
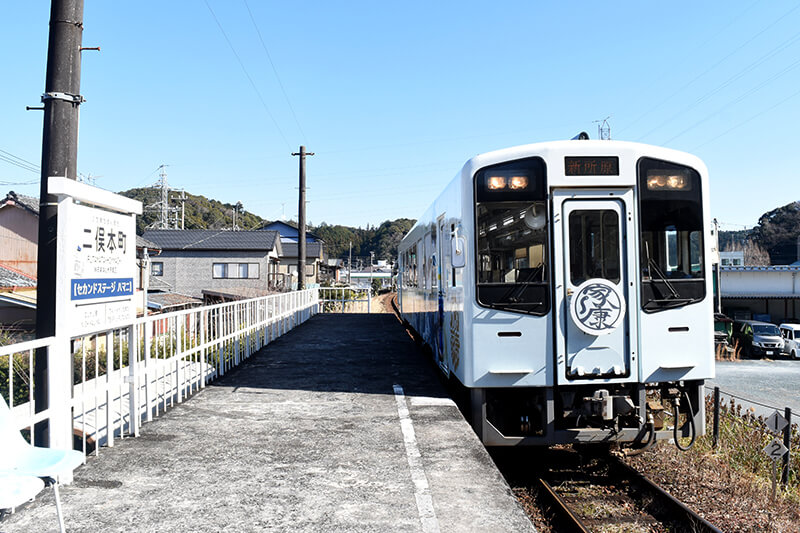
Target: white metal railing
{"type": "Point", "coordinates": [123, 377]}
{"type": "Point", "coordinates": [345, 299]}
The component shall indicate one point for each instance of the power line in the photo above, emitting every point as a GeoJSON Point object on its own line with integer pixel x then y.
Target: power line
{"type": "Point", "coordinates": [718, 63]}
{"type": "Point", "coordinates": [275, 71]}
{"type": "Point", "coordinates": [17, 161]}
{"type": "Point", "coordinates": [247, 74]}
{"type": "Point", "coordinates": [19, 182]}
{"type": "Point", "coordinates": [736, 77]}
{"type": "Point", "coordinates": [793, 95]}
{"type": "Point", "coordinates": [685, 58]}
{"type": "Point", "coordinates": [739, 99]}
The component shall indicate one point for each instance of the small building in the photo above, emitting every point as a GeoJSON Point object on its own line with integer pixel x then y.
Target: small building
{"type": "Point", "coordinates": [19, 232]}
{"type": "Point", "coordinates": [17, 302]}
{"type": "Point", "coordinates": [768, 293]}
{"type": "Point", "coordinates": [192, 261]}
{"type": "Point", "coordinates": [289, 233]}
{"type": "Point", "coordinates": [315, 257]}
{"type": "Point", "coordinates": [735, 259]}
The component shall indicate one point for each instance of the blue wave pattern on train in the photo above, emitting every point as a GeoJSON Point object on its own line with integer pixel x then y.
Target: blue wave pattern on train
{"type": "Point", "coordinates": [565, 290]}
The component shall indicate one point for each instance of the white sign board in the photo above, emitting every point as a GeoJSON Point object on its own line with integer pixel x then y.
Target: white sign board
{"type": "Point", "coordinates": [776, 423]}
{"type": "Point", "coordinates": [96, 267]}
{"type": "Point", "coordinates": [775, 449]}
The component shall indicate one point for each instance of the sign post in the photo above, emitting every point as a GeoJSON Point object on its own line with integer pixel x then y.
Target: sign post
{"type": "Point", "coordinates": [775, 449]}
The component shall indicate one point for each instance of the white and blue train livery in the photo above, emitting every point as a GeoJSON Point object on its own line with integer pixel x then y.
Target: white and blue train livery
{"type": "Point", "coordinates": [565, 289]}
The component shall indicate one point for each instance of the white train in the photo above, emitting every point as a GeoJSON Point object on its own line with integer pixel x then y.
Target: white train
{"type": "Point", "coordinates": [565, 288]}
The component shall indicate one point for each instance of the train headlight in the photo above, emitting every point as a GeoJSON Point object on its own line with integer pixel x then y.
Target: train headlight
{"type": "Point", "coordinates": [668, 181]}
{"type": "Point", "coordinates": [494, 183]}
{"type": "Point", "coordinates": [518, 182]}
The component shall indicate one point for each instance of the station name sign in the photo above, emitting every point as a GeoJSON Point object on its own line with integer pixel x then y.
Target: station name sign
{"type": "Point", "coordinates": [96, 258]}
{"type": "Point", "coordinates": [591, 166]}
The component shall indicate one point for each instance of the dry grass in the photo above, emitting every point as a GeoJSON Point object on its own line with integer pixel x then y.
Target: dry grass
{"type": "Point", "coordinates": [729, 486]}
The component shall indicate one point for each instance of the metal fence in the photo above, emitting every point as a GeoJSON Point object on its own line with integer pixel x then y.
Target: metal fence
{"type": "Point", "coordinates": [102, 387]}
{"type": "Point", "coordinates": [345, 299]}
{"type": "Point", "coordinates": [738, 422]}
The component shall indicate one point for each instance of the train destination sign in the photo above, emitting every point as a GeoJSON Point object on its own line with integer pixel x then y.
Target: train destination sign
{"type": "Point", "coordinates": [591, 166]}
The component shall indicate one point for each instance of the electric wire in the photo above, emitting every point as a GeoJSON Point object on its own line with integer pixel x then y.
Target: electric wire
{"type": "Point", "coordinates": [275, 71]}
{"type": "Point", "coordinates": [719, 62]}
{"type": "Point", "coordinates": [17, 161]}
{"type": "Point", "coordinates": [734, 78]}
{"type": "Point", "coordinates": [685, 58]}
{"type": "Point", "coordinates": [247, 74]}
{"type": "Point", "coordinates": [742, 123]}
{"type": "Point", "coordinates": [738, 99]}
{"type": "Point", "coordinates": [19, 182]}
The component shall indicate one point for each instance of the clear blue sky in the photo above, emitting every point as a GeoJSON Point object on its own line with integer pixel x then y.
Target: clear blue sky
{"type": "Point", "coordinates": [394, 97]}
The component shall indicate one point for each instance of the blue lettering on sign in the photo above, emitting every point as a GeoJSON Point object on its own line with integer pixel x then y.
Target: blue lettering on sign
{"type": "Point", "coordinates": [83, 289]}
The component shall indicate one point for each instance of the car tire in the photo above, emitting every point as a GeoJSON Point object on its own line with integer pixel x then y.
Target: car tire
{"type": "Point", "coordinates": [794, 354]}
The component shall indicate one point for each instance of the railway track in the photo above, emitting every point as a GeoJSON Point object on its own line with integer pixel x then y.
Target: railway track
{"type": "Point", "coordinates": [589, 491]}
{"type": "Point", "coordinates": [597, 493]}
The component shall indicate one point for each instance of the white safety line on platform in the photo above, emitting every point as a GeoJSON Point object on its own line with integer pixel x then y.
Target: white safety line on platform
{"type": "Point", "coordinates": [422, 492]}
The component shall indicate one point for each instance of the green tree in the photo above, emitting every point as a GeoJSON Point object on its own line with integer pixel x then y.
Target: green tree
{"type": "Point", "coordinates": [777, 233]}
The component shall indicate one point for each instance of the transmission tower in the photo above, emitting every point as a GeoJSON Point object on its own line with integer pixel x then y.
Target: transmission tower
{"type": "Point", "coordinates": [162, 205]}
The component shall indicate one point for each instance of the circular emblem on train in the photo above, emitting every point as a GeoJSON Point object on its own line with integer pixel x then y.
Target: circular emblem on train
{"type": "Point", "coordinates": [597, 307]}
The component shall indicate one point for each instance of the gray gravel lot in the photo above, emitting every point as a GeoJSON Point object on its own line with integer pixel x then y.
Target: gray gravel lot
{"type": "Point", "coordinates": [771, 382]}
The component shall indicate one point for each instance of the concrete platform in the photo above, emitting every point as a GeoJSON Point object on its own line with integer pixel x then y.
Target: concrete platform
{"type": "Point", "coordinates": [340, 425]}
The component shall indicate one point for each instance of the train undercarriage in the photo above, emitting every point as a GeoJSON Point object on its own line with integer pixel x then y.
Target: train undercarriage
{"type": "Point", "coordinates": [635, 414]}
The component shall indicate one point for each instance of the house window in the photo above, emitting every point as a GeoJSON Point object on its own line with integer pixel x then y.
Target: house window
{"type": "Point", "coordinates": [235, 270]}
{"type": "Point", "coordinates": [220, 270]}
{"type": "Point", "coordinates": [157, 269]}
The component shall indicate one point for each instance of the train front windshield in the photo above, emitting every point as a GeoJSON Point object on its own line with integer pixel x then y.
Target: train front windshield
{"type": "Point", "coordinates": [511, 224]}
{"type": "Point", "coordinates": [671, 245]}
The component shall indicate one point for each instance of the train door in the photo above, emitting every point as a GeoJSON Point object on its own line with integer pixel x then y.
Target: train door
{"type": "Point", "coordinates": [441, 272]}
{"type": "Point", "coordinates": [593, 285]}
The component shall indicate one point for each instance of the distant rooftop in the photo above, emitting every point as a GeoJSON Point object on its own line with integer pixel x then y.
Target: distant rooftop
{"type": "Point", "coordinates": [203, 239]}
{"type": "Point", "coordinates": [26, 202]}
{"type": "Point", "coordinates": [289, 233]}
{"type": "Point", "coordinates": [12, 279]}
{"type": "Point", "coordinates": [313, 249]}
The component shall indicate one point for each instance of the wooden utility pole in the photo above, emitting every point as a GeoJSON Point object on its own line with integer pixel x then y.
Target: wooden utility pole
{"type": "Point", "coordinates": [59, 158]}
{"type": "Point", "coordinates": [301, 221]}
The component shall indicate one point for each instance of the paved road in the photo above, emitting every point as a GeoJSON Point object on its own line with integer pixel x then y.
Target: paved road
{"type": "Point", "coordinates": [775, 383]}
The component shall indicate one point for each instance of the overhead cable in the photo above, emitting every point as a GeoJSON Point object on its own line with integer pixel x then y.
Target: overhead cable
{"type": "Point", "coordinates": [275, 71]}
{"type": "Point", "coordinates": [247, 74]}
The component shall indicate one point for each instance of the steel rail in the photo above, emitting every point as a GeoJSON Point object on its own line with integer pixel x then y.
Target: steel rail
{"type": "Point", "coordinates": [574, 523]}
{"type": "Point", "coordinates": [687, 515]}
{"type": "Point", "coordinates": [663, 507]}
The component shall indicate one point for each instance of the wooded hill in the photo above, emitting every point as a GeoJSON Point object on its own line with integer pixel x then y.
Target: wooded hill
{"type": "Point", "coordinates": [204, 213]}
{"type": "Point", "coordinates": [776, 234]}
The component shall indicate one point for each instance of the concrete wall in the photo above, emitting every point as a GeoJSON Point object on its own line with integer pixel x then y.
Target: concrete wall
{"type": "Point", "coordinates": [189, 272]}
{"type": "Point", "coordinates": [767, 281]}
{"type": "Point", "coordinates": [771, 291]}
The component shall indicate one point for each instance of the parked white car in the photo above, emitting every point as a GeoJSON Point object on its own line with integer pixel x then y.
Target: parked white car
{"type": "Point", "coordinates": [791, 339]}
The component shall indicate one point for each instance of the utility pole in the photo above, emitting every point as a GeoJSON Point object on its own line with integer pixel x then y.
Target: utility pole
{"type": "Point", "coordinates": [301, 220]}
{"type": "Point", "coordinates": [182, 199]}
{"type": "Point", "coordinates": [350, 264]}
{"type": "Point", "coordinates": [236, 209]}
{"type": "Point", "coordinates": [61, 100]}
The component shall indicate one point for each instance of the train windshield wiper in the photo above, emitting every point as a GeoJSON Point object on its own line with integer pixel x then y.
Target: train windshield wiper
{"type": "Point", "coordinates": [673, 299]}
